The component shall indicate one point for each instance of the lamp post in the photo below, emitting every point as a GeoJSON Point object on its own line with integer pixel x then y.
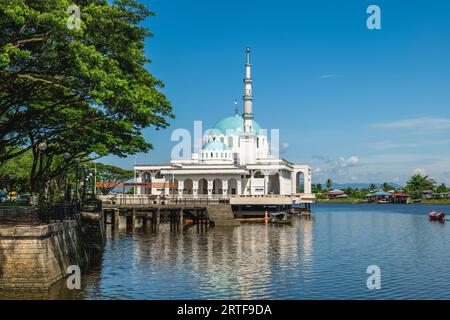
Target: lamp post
{"type": "Point", "coordinates": [66, 183]}
{"type": "Point", "coordinates": [77, 162]}
{"type": "Point", "coordinates": [42, 147]}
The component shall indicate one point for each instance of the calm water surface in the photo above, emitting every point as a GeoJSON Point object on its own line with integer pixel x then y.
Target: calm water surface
{"type": "Point", "coordinates": [322, 258]}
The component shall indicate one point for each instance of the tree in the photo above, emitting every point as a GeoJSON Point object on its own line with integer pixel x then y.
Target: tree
{"type": "Point", "coordinates": [329, 184]}
{"type": "Point", "coordinates": [387, 187]}
{"type": "Point", "coordinates": [14, 174]}
{"type": "Point", "coordinates": [417, 184]}
{"type": "Point", "coordinates": [81, 91]}
{"type": "Point", "coordinates": [110, 177]}
{"type": "Point", "coordinates": [373, 187]}
{"type": "Point", "coordinates": [441, 188]}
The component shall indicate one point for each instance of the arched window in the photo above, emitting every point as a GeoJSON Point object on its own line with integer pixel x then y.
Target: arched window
{"type": "Point", "coordinates": [230, 142]}
{"type": "Point", "coordinates": [212, 155]}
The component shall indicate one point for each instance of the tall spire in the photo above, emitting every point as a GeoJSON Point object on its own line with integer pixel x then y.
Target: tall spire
{"type": "Point", "coordinates": [248, 95]}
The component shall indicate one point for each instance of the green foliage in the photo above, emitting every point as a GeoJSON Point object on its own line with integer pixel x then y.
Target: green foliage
{"type": "Point", "coordinates": [15, 174]}
{"type": "Point", "coordinates": [329, 184]}
{"type": "Point", "coordinates": [387, 187]}
{"type": "Point", "coordinates": [442, 188]}
{"type": "Point", "coordinates": [417, 184]}
{"type": "Point", "coordinates": [111, 176]}
{"type": "Point", "coordinates": [81, 91]}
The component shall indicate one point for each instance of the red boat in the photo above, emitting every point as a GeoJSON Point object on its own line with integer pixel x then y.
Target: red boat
{"type": "Point", "coordinates": [436, 216]}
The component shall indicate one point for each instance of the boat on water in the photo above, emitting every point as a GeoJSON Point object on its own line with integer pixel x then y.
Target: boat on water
{"type": "Point", "coordinates": [436, 216]}
{"type": "Point", "coordinates": [280, 218]}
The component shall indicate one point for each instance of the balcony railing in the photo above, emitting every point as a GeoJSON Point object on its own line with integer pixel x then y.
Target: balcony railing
{"type": "Point", "coordinates": [29, 216]}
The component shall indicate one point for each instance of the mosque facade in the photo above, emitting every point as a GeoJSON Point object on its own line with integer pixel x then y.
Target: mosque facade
{"type": "Point", "coordinates": [236, 160]}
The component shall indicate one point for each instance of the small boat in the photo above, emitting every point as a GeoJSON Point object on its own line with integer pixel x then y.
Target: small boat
{"type": "Point", "coordinates": [280, 218]}
{"type": "Point", "coordinates": [436, 216]}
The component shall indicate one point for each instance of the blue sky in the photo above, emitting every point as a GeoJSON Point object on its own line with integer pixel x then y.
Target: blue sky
{"type": "Point", "coordinates": [358, 105]}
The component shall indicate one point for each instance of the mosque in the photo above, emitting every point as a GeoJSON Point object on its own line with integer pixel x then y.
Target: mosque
{"type": "Point", "coordinates": [236, 162]}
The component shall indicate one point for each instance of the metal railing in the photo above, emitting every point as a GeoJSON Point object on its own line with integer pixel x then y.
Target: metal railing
{"type": "Point", "coordinates": [34, 216]}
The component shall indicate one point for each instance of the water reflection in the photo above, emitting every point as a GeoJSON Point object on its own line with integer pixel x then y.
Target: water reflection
{"type": "Point", "coordinates": [323, 258]}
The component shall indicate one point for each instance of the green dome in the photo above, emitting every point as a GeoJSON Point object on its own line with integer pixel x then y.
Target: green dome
{"type": "Point", "coordinates": [216, 146]}
{"type": "Point", "coordinates": [235, 124]}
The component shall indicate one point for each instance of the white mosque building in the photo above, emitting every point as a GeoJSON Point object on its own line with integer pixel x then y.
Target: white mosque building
{"type": "Point", "coordinates": [236, 162]}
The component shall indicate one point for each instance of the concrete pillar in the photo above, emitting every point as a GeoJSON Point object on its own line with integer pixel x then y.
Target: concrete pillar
{"type": "Point", "coordinates": [195, 188]}
{"type": "Point", "coordinates": [210, 187]}
{"type": "Point", "coordinates": [115, 218]}
{"type": "Point", "coordinates": [308, 180]}
{"type": "Point", "coordinates": [131, 220]}
{"type": "Point", "coordinates": [294, 182]}
{"type": "Point", "coordinates": [266, 184]}
{"type": "Point", "coordinates": [225, 188]}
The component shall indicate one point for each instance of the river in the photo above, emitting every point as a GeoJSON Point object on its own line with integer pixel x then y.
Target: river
{"type": "Point", "coordinates": [323, 258]}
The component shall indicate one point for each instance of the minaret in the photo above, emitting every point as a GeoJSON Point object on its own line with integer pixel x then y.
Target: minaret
{"type": "Point", "coordinates": [248, 96]}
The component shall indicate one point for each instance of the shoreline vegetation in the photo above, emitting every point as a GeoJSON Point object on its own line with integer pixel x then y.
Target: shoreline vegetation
{"type": "Point", "coordinates": [353, 200]}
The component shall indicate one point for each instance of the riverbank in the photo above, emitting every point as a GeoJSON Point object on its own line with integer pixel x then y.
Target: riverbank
{"type": "Point", "coordinates": [350, 200]}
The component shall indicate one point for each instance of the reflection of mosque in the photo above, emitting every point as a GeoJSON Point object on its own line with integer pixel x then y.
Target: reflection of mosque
{"type": "Point", "coordinates": [237, 263]}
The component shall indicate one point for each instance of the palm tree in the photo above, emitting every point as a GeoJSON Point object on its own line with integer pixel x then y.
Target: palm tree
{"type": "Point", "coordinates": [386, 186]}
{"type": "Point", "coordinates": [417, 184]}
{"type": "Point", "coordinates": [329, 184]}
{"type": "Point", "coordinates": [373, 187]}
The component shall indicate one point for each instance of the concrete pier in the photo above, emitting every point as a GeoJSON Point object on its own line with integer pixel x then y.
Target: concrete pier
{"type": "Point", "coordinates": [33, 258]}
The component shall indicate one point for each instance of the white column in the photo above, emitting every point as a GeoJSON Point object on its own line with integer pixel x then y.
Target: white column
{"type": "Point", "coordinates": [239, 187]}
{"type": "Point", "coordinates": [307, 175]}
{"type": "Point", "coordinates": [266, 184]}
{"type": "Point", "coordinates": [180, 188]}
{"type": "Point", "coordinates": [195, 188]}
{"type": "Point", "coordinates": [225, 188]}
{"type": "Point", "coordinates": [210, 187]}
{"type": "Point", "coordinates": [294, 182]}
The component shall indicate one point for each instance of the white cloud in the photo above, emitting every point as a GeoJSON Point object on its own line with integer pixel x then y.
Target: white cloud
{"type": "Point", "coordinates": [420, 171]}
{"type": "Point", "coordinates": [385, 145]}
{"type": "Point", "coordinates": [284, 147]}
{"type": "Point", "coordinates": [427, 123]}
{"type": "Point", "coordinates": [350, 162]}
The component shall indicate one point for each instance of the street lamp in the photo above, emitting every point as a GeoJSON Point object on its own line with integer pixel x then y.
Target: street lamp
{"type": "Point", "coordinates": [66, 156]}
{"type": "Point", "coordinates": [77, 162]}
{"type": "Point", "coordinates": [42, 147]}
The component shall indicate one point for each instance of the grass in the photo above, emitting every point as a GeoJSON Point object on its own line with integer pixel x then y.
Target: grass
{"type": "Point", "coordinates": [436, 201]}
{"type": "Point", "coordinates": [13, 204]}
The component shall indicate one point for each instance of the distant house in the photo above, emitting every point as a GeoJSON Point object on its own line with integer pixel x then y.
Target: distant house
{"type": "Point", "coordinates": [441, 195]}
{"type": "Point", "coordinates": [399, 197]}
{"type": "Point", "coordinates": [333, 194]}
{"type": "Point", "coordinates": [427, 194]}
{"type": "Point", "coordinates": [378, 196]}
